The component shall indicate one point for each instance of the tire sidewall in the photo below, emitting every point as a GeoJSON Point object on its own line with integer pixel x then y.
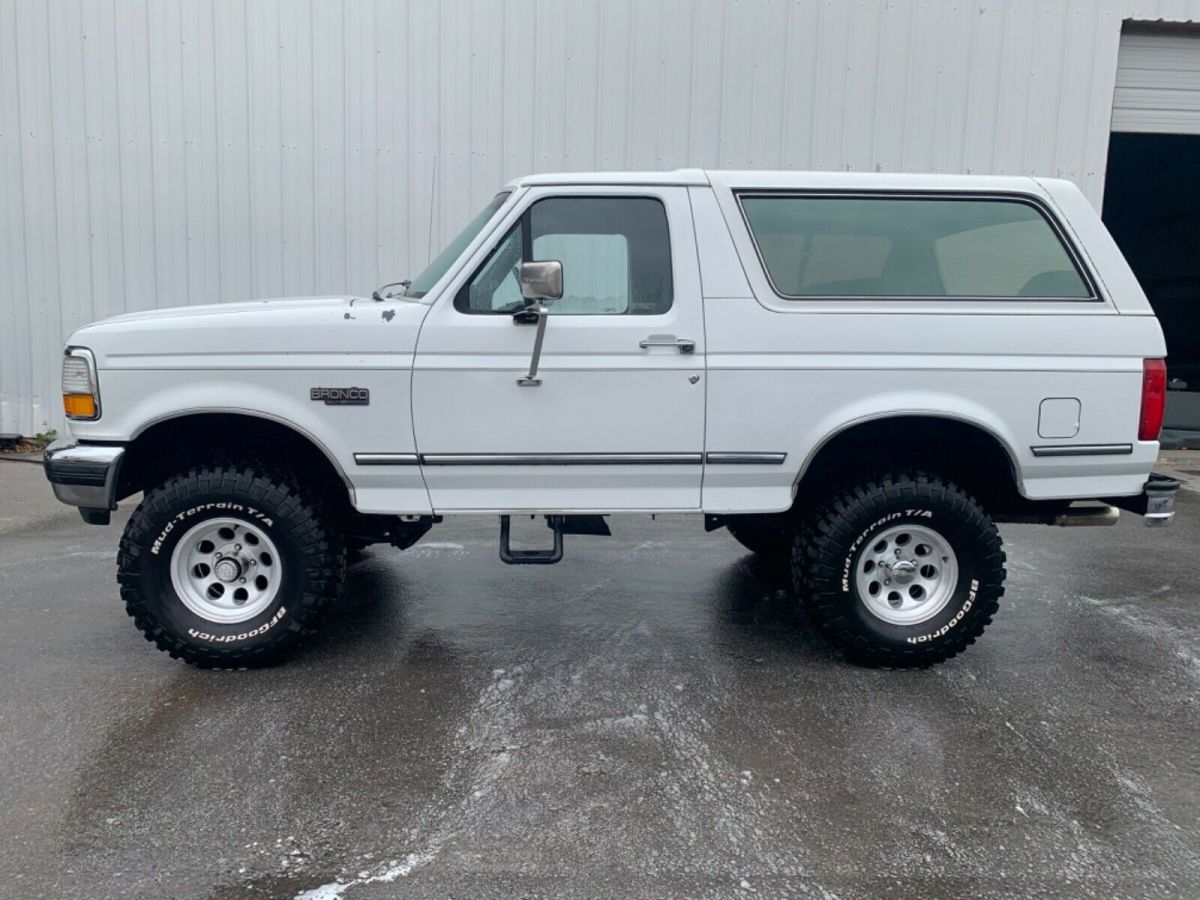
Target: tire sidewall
{"type": "Point", "coordinates": [158, 592]}
{"type": "Point", "coordinates": [970, 546]}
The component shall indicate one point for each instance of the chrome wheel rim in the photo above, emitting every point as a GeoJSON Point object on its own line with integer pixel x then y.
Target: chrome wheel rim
{"type": "Point", "coordinates": [226, 570]}
{"type": "Point", "coordinates": [907, 574]}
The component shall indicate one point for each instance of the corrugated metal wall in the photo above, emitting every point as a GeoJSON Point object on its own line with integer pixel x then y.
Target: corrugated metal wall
{"type": "Point", "coordinates": [157, 152]}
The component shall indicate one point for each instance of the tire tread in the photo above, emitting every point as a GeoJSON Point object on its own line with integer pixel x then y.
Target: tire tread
{"type": "Point", "coordinates": [321, 546]}
{"type": "Point", "coordinates": [831, 525]}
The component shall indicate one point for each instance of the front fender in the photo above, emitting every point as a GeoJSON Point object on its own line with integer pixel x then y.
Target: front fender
{"type": "Point", "coordinates": [136, 400]}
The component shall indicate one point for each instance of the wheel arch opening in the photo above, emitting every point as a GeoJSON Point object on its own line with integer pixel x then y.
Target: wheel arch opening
{"type": "Point", "coordinates": [961, 451]}
{"type": "Point", "coordinates": [174, 444]}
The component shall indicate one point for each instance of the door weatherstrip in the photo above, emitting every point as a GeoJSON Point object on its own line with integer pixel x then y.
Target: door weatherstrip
{"type": "Point", "coordinates": [385, 459]}
{"type": "Point", "coordinates": [726, 458]}
{"type": "Point", "coordinates": [1083, 450]}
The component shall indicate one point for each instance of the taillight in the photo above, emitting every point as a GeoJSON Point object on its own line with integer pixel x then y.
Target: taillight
{"type": "Point", "coordinates": [1154, 399]}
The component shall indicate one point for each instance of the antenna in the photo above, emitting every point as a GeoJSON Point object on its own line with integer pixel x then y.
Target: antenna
{"type": "Point", "coordinates": [432, 194]}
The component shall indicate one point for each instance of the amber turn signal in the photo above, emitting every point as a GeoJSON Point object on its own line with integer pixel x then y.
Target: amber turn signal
{"type": "Point", "coordinates": [79, 406]}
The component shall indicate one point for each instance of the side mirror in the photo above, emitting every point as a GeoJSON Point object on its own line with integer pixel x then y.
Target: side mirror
{"type": "Point", "coordinates": [541, 280]}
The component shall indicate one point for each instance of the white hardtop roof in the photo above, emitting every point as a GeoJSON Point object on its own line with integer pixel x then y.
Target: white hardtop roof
{"type": "Point", "coordinates": [676, 177]}
{"type": "Point", "coordinates": [797, 180]}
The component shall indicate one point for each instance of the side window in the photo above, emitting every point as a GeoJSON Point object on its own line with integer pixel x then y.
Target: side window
{"type": "Point", "coordinates": [1013, 259]}
{"type": "Point", "coordinates": [896, 247]}
{"type": "Point", "coordinates": [596, 272]}
{"type": "Point", "coordinates": [615, 253]}
{"type": "Point", "coordinates": [494, 287]}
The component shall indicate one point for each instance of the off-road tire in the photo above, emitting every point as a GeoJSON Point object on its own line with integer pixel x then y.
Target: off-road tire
{"type": "Point", "coordinates": [770, 536]}
{"type": "Point", "coordinates": [837, 530]}
{"type": "Point", "coordinates": [312, 552]}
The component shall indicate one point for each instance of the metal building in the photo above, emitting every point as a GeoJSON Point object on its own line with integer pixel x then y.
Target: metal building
{"type": "Point", "coordinates": [166, 152]}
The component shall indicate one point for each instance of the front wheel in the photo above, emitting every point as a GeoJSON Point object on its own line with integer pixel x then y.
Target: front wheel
{"type": "Point", "coordinates": [903, 571]}
{"type": "Point", "coordinates": [228, 566]}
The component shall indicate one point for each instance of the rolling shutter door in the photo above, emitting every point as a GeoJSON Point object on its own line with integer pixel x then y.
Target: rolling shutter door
{"type": "Point", "coordinates": [1158, 82]}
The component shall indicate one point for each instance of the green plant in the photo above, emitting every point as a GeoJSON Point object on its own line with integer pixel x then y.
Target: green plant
{"type": "Point", "coordinates": [44, 438]}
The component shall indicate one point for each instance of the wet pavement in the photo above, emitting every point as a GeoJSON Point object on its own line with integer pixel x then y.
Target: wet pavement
{"type": "Point", "coordinates": [648, 718]}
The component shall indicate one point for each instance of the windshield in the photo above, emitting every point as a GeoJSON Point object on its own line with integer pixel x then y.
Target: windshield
{"type": "Point", "coordinates": [435, 270]}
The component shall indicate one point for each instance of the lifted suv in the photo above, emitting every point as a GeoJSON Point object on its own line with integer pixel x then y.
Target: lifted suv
{"type": "Point", "coordinates": [861, 374]}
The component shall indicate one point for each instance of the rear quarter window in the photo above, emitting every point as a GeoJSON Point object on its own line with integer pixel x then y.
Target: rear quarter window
{"type": "Point", "coordinates": [814, 246]}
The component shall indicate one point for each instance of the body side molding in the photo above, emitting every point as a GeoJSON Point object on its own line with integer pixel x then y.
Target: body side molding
{"type": "Point", "coordinates": [560, 459]}
{"type": "Point", "coordinates": [731, 458]}
{"type": "Point", "coordinates": [572, 459]}
{"type": "Point", "coordinates": [1082, 450]}
{"type": "Point", "coordinates": [385, 459]}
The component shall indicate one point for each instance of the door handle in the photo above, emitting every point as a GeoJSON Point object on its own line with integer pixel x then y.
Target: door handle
{"type": "Point", "coordinates": [685, 345]}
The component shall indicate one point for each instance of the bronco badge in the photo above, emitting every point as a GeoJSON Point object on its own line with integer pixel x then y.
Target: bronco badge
{"type": "Point", "coordinates": [350, 396]}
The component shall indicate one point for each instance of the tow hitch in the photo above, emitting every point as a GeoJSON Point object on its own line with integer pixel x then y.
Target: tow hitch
{"type": "Point", "coordinates": [560, 525]}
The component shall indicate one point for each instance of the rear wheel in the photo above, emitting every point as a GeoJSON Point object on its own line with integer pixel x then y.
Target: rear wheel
{"type": "Point", "coordinates": [904, 570]}
{"type": "Point", "coordinates": [229, 565]}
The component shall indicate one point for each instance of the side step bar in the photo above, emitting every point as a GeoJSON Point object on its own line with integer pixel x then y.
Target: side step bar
{"type": "Point", "coordinates": [560, 525]}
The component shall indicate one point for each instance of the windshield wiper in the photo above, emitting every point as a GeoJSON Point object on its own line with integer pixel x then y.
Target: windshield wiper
{"type": "Point", "coordinates": [379, 296]}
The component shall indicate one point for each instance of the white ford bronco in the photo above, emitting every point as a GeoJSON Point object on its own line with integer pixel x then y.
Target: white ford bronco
{"type": "Point", "coordinates": [859, 374]}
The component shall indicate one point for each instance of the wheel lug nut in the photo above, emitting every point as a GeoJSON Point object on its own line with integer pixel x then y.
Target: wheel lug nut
{"type": "Point", "coordinates": [237, 546]}
{"type": "Point", "coordinates": [241, 581]}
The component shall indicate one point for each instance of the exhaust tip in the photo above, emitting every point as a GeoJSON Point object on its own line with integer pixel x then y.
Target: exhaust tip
{"type": "Point", "coordinates": [1088, 515]}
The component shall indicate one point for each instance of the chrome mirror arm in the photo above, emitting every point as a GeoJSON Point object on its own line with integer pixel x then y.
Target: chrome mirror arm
{"type": "Point", "coordinates": [531, 380]}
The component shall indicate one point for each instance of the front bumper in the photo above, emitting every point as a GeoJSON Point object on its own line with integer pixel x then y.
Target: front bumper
{"type": "Point", "coordinates": [1156, 503]}
{"type": "Point", "coordinates": [84, 475]}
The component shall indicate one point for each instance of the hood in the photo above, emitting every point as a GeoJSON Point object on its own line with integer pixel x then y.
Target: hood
{"type": "Point", "coordinates": [248, 306]}
{"type": "Point", "coordinates": [257, 333]}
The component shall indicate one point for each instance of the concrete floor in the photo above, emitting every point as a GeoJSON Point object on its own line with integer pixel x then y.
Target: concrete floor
{"type": "Point", "coordinates": [647, 718]}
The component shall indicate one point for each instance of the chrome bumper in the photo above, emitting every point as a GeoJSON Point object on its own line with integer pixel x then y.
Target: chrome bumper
{"type": "Point", "coordinates": [84, 475]}
{"type": "Point", "coordinates": [1155, 504]}
{"type": "Point", "coordinates": [1160, 500]}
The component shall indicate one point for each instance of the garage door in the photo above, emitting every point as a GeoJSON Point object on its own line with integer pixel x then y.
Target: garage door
{"type": "Point", "coordinates": [1158, 80]}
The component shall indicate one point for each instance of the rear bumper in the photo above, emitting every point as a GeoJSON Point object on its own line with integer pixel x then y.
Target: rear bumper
{"type": "Point", "coordinates": [1156, 502]}
{"type": "Point", "coordinates": [84, 475]}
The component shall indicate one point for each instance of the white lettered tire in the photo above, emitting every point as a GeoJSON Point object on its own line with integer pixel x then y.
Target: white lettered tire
{"type": "Point", "coordinates": [903, 570]}
{"type": "Point", "coordinates": [228, 565]}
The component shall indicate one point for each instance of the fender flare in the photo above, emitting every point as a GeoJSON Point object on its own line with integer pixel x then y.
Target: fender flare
{"type": "Point", "coordinates": [959, 418]}
{"type": "Point", "coordinates": [253, 414]}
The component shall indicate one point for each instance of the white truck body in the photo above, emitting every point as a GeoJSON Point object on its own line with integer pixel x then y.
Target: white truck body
{"type": "Point", "coordinates": [720, 403]}
{"type": "Point", "coordinates": [776, 376]}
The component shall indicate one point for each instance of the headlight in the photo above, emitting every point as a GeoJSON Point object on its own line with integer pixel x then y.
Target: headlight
{"type": "Point", "coordinates": [80, 387]}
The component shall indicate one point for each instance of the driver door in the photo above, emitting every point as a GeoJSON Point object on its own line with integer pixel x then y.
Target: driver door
{"type": "Point", "coordinates": [616, 418]}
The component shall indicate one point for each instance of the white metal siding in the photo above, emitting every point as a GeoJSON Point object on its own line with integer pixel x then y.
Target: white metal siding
{"type": "Point", "coordinates": [1158, 84]}
{"type": "Point", "coordinates": [158, 152]}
